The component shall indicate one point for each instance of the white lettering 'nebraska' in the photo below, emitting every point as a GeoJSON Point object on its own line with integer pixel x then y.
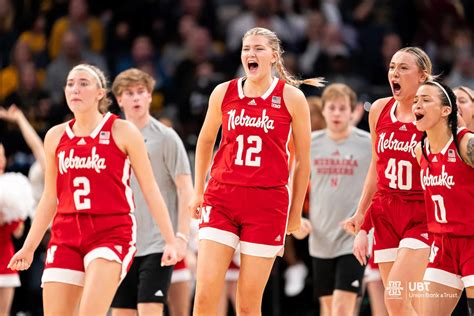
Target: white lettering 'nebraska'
{"type": "Point", "coordinates": [263, 121]}
{"type": "Point", "coordinates": [443, 179]}
{"type": "Point", "coordinates": [94, 161]}
{"type": "Point", "coordinates": [394, 144]}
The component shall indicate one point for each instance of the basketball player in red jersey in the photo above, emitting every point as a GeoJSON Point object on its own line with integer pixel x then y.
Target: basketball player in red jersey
{"type": "Point", "coordinates": [392, 188]}
{"type": "Point", "coordinates": [446, 156]}
{"type": "Point", "coordinates": [87, 192]}
{"type": "Point", "coordinates": [247, 197]}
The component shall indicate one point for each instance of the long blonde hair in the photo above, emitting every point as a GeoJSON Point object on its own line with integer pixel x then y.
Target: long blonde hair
{"type": "Point", "coordinates": [275, 45]}
{"type": "Point", "coordinates": [422, 60]}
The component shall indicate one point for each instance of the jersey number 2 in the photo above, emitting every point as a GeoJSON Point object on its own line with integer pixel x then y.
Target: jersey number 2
{"type": "Point", "coordinates": [396, 172]}
{"type": "Point", "coordinates": [255, 147]}
{"type": "Point", "coordinates": [83, 188]}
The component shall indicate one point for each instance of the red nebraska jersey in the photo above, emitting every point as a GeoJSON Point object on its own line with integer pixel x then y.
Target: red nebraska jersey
{"type": "Point", "coordinates": [397, 168]}
{"type": "Point", "coordinates": [255, 135]}
{"type": "Point", "coordinates": [449, 191]}
{"type": "Point", "coordinates": [93, 173]}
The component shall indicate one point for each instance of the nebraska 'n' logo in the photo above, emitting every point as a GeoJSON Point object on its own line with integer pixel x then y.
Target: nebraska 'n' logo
{"type": "Point", "coordinates": [50, 254]}
{"type": "Point", "coordinates": [205, 214]}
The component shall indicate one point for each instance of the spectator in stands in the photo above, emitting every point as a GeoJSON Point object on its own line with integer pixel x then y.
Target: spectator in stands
{"type": "Point", "coordinates": [89, 29]}
{"type": "Point", "coordinates": [72, 53]}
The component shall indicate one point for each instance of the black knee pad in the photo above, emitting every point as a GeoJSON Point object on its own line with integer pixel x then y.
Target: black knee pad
{"type": "Point", "coordinates": [470, 306]}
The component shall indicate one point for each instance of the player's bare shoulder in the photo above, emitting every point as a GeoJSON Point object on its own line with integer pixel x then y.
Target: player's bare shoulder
{"type": "Point", "coordinates": [219, 91]}
{"type": "Point", "coordinates": [294, 99]}
{"type": "Point", "coordinates": [53, 136]}
{"type": "Point", "coordinates": [125, 133]}
{"type": "Point", "coordinates": [376, 108]}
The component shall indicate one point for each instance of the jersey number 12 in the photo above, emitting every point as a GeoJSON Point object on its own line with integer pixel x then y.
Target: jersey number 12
{"type": "Point", "coordinates": [251, 159]}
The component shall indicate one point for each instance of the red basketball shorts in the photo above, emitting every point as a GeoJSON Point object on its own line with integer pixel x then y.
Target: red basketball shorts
{"type": "Point", "coordinates": [181, 272]}
{"type": "Point", "coordinates": [257, 217]}
{"type": "Point", "coordinates": [78, 239]}
{"type": "Point", "coordinates": [398, 223]}
{"type": "Point", "coordinates": [451, 261]}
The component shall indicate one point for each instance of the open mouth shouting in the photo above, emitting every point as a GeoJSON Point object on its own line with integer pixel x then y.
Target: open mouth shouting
{"type": "Point", "coordinates": [252, 66]}
{"type": "Point", "coordinates": [396, 88]}
{"type": "Point", "coordinates": [419, 116]}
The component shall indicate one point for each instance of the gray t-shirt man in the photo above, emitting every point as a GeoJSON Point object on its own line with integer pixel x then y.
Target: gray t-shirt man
{"type": "Point", "coordinates": [168, 160]}
{"type": "Point", "coordinates": [338, 171]}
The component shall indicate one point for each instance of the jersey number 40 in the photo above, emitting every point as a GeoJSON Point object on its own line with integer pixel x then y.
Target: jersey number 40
{"type": "Point", "coordinates": [399, 173]}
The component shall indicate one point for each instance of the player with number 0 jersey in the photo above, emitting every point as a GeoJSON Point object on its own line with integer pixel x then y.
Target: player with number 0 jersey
{"type": "Point", "coordinates": [446, 156]}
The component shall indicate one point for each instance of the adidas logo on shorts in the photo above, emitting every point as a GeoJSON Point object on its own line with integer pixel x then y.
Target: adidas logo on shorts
{"type": "Point", "coordinates": [355, 283]}
{"type": "Point", "coordinates": [159, 293]}
{"type": "Point", "coordinates": [424, 235]}
{"type": "Point", "coordinates": [278, 238]}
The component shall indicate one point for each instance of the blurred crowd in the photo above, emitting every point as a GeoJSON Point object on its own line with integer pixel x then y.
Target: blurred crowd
{"type": "Point", "coordinates": [189, 46]}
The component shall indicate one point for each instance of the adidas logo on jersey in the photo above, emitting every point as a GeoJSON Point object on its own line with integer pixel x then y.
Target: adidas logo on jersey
{"type": "Point", "coordinates": [403, 128]}
{"type": "Point", "coordinates": [424, 235]}
{"type": "Point", "coordinates": [159, 293]}
{"type": "Point", "coordinates": [435, 159]}
{"type": "Point", "coordinates": [252, 102]}
{"type": "Point", "coordinates": [81, 142]}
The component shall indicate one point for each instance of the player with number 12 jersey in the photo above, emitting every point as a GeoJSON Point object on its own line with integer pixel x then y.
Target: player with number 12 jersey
{"type": "Point", "coordinates": [255, 135]}
{"type": "Point", "coordinates": [250, 170]}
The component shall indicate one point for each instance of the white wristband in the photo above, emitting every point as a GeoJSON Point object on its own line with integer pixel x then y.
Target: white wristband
{"type": "Point", "coordinates": [182, 236]}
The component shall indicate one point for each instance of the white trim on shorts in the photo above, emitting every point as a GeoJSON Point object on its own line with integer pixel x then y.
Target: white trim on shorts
{"type": "Point", "coordinates": [468, 280]}
{"type": "Point", "coordinates": [9, 280]}
{"type": "Point", "coordinates": [259, 250]}
{"type": "Point", "coordinates": [385, 255]}
{"type": "Point", "coordinates": [413, 243]}
{"type": "Point", "coordinates": [219, 235]}
{"type": "Point", "coordinates": [131, 250]}
{"type": "Point", "coordinates": [232, 275]}
{"type": "Point", "coordinates": [181, 275]}
{"type": "Point", "coordinates": [67, 276]}
{"type": "Point", "coordinates": [444, 278]}
{"type": "Point", "coordinates": [371, 274]}
{"type": "Point", "coordinates": [100, 252]}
